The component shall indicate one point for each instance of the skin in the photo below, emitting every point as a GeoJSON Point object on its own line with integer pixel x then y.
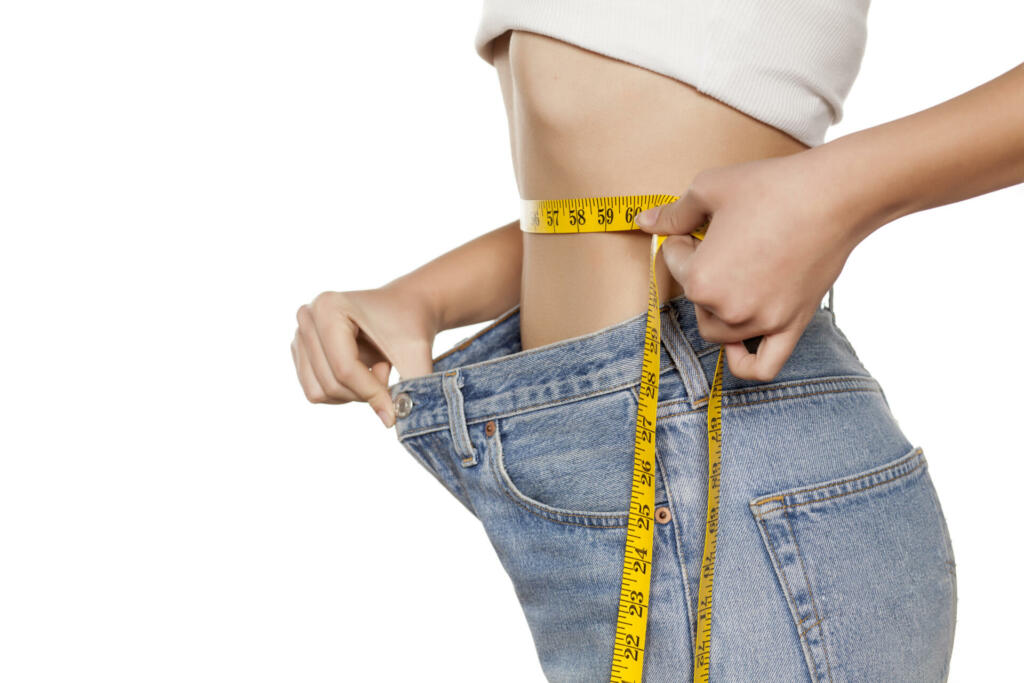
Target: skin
{"type": "Point", "coordinates": [791, 215]}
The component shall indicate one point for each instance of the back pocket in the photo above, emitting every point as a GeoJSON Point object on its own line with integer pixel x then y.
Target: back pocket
{"type": "Point", "coordinates": [866, 567]}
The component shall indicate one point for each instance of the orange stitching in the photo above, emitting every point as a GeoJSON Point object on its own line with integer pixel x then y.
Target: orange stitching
{"type": "Point", "coordinates": [902, 461]}
{"type": "Point", "coordinates": [846, 493]}
{"type": "Point", "coordinates": [767, 400]}
{"type": "Point", "coordinates": [810, 591]}
{"type": "Point", "coordinates": [788, 591]}
{"type": "Point", "coordinates": [780, 385]}
{"type": "Point", "coordinates": [684, 573]}
{"type": "Point", "coordinates": [570, 399]}
{"type": "Point", "coordinates": [808, 629]}
{"type": "Point", "coordinates": [630, 385]}
{"type": "Point", "coordinates": [549, 514]}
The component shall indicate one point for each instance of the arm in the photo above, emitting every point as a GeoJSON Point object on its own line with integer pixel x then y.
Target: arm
{"type": "Point", "coordinates": [472, 283]}
{"type": "Point", "coordinates": [961, 148]}
{"type": "Point", "coordinates": [792, 221]}
{"type": "Point", "coordinates": [341, 335]}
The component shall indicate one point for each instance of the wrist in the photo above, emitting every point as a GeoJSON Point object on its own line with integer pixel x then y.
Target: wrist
{"type": "Point", "coordinates": [846, 174]}
{"type": "Point", "coordinates": [421, 300]}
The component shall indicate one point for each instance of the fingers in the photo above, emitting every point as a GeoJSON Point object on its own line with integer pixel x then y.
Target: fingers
{"type": "Point", "coordinates": [752, 352]}
{"type": "Point", "coordinates": [677, 251]}
{"type": "Point", "coordinates": [714, 329]}
{"type": "Point", "coordinates": [338, 334]}
{"type": "Point", "coordinates": [771, 355]}
{"type": "Point", "coordinates": [677, 218]}
{"type": "Point", "coordinates": [332, 387]}
{"type": "Point", "coordinates": [328, 345]}
{"type": "Point", "coordinates": [307, 379]}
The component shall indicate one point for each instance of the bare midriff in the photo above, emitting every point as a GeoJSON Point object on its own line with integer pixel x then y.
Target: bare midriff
{"type": "Point", "coordinates": [585, 125]}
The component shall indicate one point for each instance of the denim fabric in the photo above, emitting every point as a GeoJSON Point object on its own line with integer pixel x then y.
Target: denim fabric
{"type": "Point", "coordinates": [834, 560]}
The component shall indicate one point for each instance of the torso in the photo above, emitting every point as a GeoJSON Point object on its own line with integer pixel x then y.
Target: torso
{"type": "Point", "coordinates": [584, 125]}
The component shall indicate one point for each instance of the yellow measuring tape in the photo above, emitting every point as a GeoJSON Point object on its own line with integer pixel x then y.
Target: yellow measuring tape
{"type": "Point", "coordinates": [607, 214]}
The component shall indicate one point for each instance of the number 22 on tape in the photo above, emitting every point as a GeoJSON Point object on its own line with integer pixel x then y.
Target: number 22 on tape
{"type": "Point", "coordinates": [607, 214]}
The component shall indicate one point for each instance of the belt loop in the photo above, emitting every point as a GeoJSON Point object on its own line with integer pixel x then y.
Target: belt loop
{"type": "Point", "coordinates": [683, 356]}
{"type": "Point", "coordinates": [830, 308]}
{"type": "Point", "coordinates": [450, 382]}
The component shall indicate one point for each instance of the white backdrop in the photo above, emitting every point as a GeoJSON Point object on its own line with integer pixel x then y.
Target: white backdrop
{"type": "Point", "coordinates": [177, 178]}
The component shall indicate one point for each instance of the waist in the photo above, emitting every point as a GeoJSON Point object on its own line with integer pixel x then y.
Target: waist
{"type": "Point", "coordinates": [574, 136]}
{"type": "Point", "coordinates": [495, 377]}
{"type": "Point", "coordinates": [575, 284]}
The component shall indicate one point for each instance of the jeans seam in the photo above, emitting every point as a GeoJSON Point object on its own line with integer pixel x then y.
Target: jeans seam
{"type": "Point", "coordinates": [699, 407]}
{"type": "Point", "coordinates": [899, 462]}
{"type": "Point", "coordinates": [889, 480]}
{"type": "Point", "coordinates": [787, 590]}
{"type": "Point", "coordinates": [810, 592]}
{"type": "Point", "coordinates": [741, 404]}
{"type": "Point", "coordinates": [552, 515]}
{"type": "Point", "coordinates": [683, 565]}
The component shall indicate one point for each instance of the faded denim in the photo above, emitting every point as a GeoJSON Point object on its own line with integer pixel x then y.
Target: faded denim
{"type": "Point", "coordinates": [834, 559]}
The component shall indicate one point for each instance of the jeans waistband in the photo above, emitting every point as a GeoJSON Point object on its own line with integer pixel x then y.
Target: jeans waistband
{"type": "Point", "coordinates": [489, 375]}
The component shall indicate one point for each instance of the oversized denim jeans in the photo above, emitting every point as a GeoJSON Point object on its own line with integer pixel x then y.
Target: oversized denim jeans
{"type": "Point", "coordinates": [834, 561]}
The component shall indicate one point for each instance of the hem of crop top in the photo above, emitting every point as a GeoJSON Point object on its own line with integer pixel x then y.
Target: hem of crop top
{"type": "Point", "coordinates": [740, 61]}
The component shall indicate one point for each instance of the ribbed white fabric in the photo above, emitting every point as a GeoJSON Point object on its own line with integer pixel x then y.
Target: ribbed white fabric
{"type": "Point", "coordinates": [789, 63]}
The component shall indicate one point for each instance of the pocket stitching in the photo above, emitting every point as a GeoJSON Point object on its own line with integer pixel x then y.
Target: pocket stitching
{"type": "Point", "coordinates": [559, 515]}
{"type": "Point", "coordinates": [915, 454]}
{"type": "Point", "coordinates": [914, 461]}
{"type": "Point", "coordinates": [788, 593]}
{"type": "Point", "coordinates": [814, 601]}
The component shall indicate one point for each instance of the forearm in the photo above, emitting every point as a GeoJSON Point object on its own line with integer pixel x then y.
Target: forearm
{"type": "Point", "coordinates": [472, 283]}
{"type": "Point", "coordinates": [967, 146]}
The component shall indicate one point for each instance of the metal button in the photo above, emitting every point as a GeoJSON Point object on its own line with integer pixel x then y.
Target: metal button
{"type": "Point", "coordinates": [662, 514]}
{"type": "Point", "coordinates": [490, 428]}
{"type": "Point", "coordinates": [403, 404]}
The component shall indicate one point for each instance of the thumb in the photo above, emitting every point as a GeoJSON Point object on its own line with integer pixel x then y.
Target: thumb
{"type": "Point", "coordinates": [381, 371]}
{"type": "Point", "coordinates": [677, 218]}
{"type": "Point", "coordinates": [381, 403]}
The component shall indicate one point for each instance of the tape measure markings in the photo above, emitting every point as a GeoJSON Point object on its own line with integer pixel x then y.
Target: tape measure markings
{"type": "Point", "coordinates": [616, 213]}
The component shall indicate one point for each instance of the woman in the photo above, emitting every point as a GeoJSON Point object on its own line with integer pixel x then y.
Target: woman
{"type": "Point", "coordinates": [834, 561]}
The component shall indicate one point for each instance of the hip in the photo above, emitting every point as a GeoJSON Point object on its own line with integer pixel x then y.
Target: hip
{"type": "Point", "coordinates": [834, 561]}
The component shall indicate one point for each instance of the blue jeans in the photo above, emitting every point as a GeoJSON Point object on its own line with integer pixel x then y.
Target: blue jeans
{"type": "Point", "coordinates": [834, 560]}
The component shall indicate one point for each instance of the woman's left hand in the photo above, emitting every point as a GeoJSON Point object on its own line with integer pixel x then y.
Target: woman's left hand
{"type": "Point", "coordinates": [777, 240]}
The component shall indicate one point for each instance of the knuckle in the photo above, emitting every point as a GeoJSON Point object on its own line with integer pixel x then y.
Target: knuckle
{"type": "Point", "coordinates": [335, 390]}
{"type": "Point", "coordinates": [322, 302]}
{"type": "Point", "coordinates": [342, 369]}
{"type": "Point", "coordinates": [303, 331]}
{"type": "Point", "coordinates": [696, 286]}
{"type": "Point", "coordinates": [733, 314]}
{"type": "Point", "coordinates": [700, 186]}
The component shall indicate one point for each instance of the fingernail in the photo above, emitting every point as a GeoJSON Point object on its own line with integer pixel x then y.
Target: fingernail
{"type": "Point", "coordinates": [384, 417]}
{"type": "Point", "coordinates": [646, 219]}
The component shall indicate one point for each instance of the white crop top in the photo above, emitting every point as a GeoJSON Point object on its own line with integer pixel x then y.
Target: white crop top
{"type": "Point", "coordinates": [788, 63]}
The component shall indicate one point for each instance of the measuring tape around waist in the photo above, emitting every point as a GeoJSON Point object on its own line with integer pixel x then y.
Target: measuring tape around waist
{"type": "Point", "coordinates": [608, 214]}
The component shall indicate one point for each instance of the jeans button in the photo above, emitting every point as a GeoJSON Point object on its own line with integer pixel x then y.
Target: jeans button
{"type": "Point", "coordinates": [403, 404]}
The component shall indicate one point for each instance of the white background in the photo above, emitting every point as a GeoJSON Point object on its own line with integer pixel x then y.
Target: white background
{"type": "Point", "coordinates": [177, 178]}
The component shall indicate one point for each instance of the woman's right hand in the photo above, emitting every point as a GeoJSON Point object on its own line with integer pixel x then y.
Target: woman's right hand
{"type": "Point", "coordinates": [347, 342]}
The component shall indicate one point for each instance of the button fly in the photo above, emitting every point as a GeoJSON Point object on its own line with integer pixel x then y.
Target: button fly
{"type": "Point", "coordinates": [403, 404]}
